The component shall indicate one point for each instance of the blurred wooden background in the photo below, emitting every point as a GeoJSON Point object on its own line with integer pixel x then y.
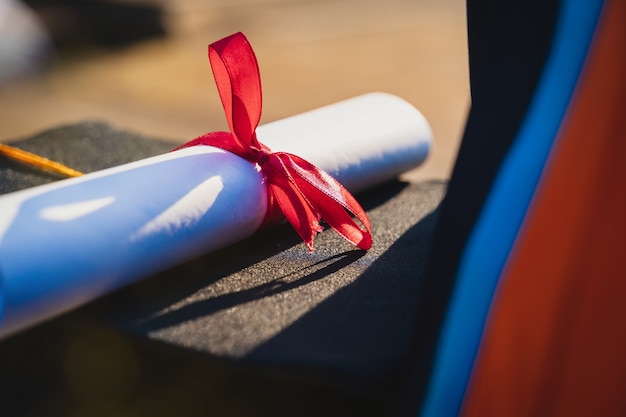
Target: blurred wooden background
{"type": "Point", "coordinates": [311, 53]}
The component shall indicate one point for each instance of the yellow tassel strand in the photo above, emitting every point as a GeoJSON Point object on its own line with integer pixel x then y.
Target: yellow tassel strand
{"type": "Point", "coordinates": [37, 161]}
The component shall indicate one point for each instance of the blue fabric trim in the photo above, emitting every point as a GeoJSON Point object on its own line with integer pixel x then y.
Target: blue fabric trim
{"type": "Point", "coordinates": [494, 234]}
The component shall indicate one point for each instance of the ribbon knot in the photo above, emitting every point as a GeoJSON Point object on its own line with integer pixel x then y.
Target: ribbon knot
{"type": "Point", "coordinates": [261, 155]}
{"type": "Point", "coordinates": [303, 193]}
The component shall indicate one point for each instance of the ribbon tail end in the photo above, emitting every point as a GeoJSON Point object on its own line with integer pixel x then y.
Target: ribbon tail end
{"type": "Point", "coordinates": [308, 240]}
{"type": "Point", "coordinates": [365, 243]}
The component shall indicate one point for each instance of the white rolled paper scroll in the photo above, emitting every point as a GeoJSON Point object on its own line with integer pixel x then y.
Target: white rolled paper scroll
{"type": "Point", "coordinates": [68, 242]}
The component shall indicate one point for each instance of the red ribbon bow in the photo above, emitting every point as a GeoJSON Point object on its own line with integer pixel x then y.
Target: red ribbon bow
{"type": "Point", "coordinates": [303, 193]}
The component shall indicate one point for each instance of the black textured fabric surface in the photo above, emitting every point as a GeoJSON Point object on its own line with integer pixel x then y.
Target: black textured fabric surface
{"type": "Point", "coordinates": [260, 328]}
{"type": "Point", "coordinates": [86, 147]}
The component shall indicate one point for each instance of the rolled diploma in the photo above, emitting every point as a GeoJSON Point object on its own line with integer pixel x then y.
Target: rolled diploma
{"type": "Point", "coordinates": [65, 243]}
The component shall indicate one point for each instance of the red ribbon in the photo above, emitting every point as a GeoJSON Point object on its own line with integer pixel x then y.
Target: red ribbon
{"type": "Point", "coordinates": [301, 191]}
